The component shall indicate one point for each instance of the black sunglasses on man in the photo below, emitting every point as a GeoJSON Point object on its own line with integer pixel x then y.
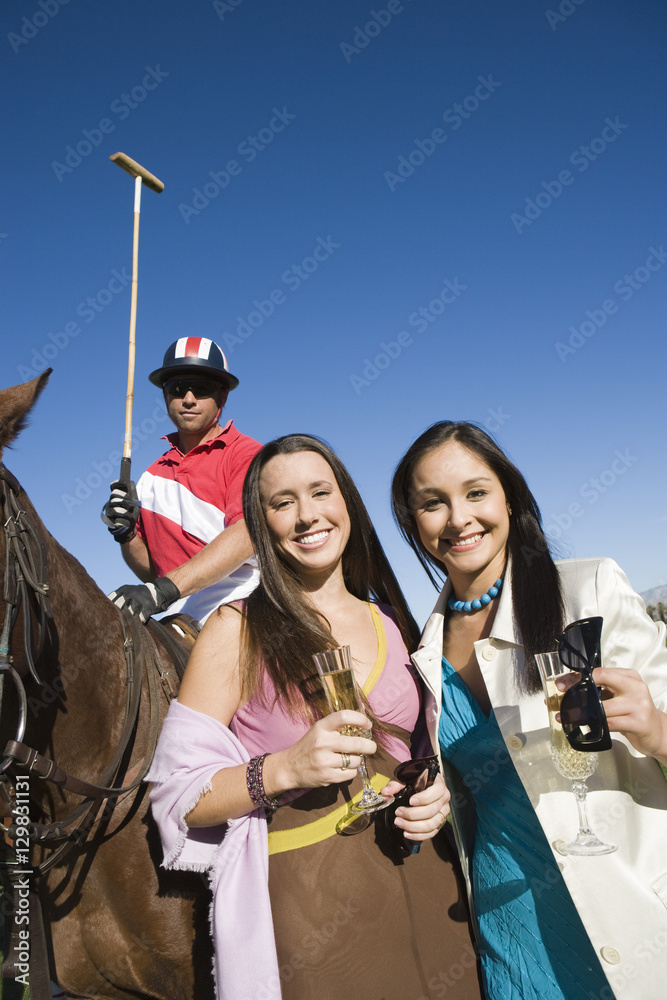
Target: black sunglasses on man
{"type": "Point", "coordinates": [200, 388]}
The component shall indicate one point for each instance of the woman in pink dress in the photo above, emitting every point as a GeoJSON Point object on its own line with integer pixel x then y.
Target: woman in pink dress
{"type": "Point", "coordinates": [351, 915]}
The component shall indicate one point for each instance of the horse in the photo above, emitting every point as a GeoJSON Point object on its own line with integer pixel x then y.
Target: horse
{"type": "Point", "coordinates": [117, 926]}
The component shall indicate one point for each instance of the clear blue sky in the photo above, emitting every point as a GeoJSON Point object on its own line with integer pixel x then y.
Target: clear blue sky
{"type": "Point", "coordinates": [387, 214]}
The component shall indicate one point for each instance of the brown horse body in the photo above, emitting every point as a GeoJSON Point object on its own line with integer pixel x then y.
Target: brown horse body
{"type": "Point", "coordinates": [118, 926]}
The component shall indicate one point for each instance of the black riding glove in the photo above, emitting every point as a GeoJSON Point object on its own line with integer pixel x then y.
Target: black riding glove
{"type": "Point", "coordinates": [121, 512]}
{"type": "Point", "coordinates": [146, 599]}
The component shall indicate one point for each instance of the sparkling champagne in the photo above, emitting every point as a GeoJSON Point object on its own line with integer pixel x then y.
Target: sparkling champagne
{"type": "Point", "coordinates": [572, 763]}
{"type": "Point", "coordinates": [341, 691]}
{"type": "Point", "coordinates": [568, 762]}
{"type": "Point", "coordinates": [342, 694]}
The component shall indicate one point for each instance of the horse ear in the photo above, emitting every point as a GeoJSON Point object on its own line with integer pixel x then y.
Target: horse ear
{"type": "Point", "coordinates": [15, 406]}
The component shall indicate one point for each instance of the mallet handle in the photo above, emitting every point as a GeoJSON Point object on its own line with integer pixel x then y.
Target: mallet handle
{"type": "Point", "coordinates": [141, 176]}
{"type": "Point", "coordinates": [129, 399]}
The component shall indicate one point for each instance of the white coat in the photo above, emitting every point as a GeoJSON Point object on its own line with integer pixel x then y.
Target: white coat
{"type": "Point", "coordinates": [621, 897]}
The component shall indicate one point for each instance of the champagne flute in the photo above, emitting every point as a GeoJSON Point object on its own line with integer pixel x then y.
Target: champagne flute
{"type": "Point", "coordinates": [573, 764]}
{"type": "Point", "coordinates": [335, 669]}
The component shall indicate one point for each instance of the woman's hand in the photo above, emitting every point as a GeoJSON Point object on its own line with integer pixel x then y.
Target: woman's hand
{"type": "Point", "coordinates": [427, 811]}
{"type": "Point", "coordinates": [317, 758]}
{"type": "Point", "coordinates": [629, 708]}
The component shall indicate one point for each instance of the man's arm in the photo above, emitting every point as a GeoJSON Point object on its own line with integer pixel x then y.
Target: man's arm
{"type": "Point", "coordinates": [214, 562]}
{"type": "Point", "coordinates": [137, 557]}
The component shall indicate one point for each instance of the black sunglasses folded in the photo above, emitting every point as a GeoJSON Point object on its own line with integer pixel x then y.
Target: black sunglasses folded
{"type": "Point", "coordinates": [416, 775]}
{"type": "Point", "coordinates": [582, 713]}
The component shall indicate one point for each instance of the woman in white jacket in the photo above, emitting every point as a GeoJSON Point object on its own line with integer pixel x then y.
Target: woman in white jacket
{"type": "Point", "coordinates": [550, 926]}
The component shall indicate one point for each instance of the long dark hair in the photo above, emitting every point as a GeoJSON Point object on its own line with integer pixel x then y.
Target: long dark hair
{"type": "Point", "coordinates": [536, 592]}
{"type": "Point", "coordinates": [281, 628]}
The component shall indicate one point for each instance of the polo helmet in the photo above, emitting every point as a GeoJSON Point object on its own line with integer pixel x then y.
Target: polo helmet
{"type": "Point", "coordinates": [194, 356]}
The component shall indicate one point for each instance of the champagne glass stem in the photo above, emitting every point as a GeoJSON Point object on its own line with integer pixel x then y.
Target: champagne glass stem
{"type": "Point", "coordinates": [586, 842]}
{"type": "Point", "coordinates": [363, 771]}
{"type": "Point", "coordinates": [580, 789]}
{"type": "Point", "coordinates": [370, 800]}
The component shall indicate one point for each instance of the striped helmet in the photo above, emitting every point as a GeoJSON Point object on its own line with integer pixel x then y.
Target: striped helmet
{"type": "Point", "coordinates": [194, 356]}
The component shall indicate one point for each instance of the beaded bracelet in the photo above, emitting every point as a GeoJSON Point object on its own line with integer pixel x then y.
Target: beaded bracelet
{"type": "Point", "coordinates": [256, 785]}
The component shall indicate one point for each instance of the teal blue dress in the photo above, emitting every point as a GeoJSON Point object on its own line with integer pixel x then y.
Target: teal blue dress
{"type": "Point", "coordinates": [533, 944]}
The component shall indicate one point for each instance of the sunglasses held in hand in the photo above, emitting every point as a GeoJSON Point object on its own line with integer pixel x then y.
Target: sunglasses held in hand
{"type": "Point", "coordinates": [582, 714]}
{"type": "Point", "coordinates": [416, 775]}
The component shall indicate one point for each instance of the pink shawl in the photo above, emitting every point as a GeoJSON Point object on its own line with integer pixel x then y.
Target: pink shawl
{"type": "Point", "coordinates": [191, 749]}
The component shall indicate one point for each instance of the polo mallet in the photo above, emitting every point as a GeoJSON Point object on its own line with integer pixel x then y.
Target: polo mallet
{"type": "Point", "coordinates": [141, 176]}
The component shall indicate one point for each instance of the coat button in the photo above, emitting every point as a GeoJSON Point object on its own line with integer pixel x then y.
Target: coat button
{"type": "Point", "coordinates": [610, 955]}
{"type": "Point", "coordinates": [515, 743]}
{"type": "Point", "coordinates": [488, 653]}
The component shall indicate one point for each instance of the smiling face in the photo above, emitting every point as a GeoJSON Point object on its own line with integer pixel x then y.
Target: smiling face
{"type": "Point", "coordinates": [305, 512]}
{"type": "Point", "coordinates": [461, 515]}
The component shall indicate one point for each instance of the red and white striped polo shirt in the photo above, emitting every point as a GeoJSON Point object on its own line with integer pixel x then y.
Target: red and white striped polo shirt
{"type": "Point", "coordinates": [186, 501]}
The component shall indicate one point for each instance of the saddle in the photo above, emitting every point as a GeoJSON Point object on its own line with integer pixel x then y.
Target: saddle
{"type": "Point", "coordinates": [165, 631]}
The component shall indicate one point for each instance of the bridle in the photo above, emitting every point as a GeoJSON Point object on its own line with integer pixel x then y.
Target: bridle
{"type": "Point", "coordinates": [25, 572]}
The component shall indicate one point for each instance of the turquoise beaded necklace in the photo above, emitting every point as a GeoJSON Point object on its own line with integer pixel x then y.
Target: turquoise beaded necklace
{"type": "Point", "coordinates": [479, 602]}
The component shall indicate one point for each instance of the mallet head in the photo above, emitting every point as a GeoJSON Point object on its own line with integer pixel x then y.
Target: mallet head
{"type": "Point", "coordinates": [135, 169]}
